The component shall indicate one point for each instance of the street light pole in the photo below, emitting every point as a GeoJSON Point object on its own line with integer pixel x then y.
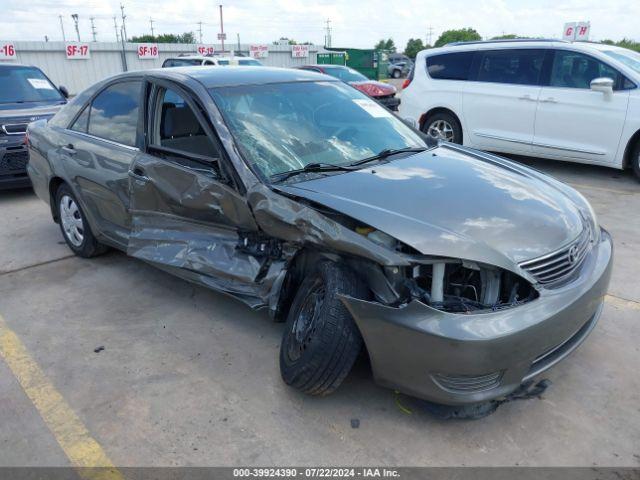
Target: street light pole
{"type": "Point", "coordinates": [221, 29]}
{"type": "Point", "coordinates": [64, 38]}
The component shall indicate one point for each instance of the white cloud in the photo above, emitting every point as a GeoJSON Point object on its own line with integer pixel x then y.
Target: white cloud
{"type": "Point", "coordinates": [355, 23]}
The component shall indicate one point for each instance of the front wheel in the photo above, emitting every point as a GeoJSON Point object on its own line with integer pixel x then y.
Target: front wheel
{"type": "Point", "coordinates": [443, 126]}
{"type": "Point", "coordinates": [635, 160]}
{"type": "Point", "coordinates": [396, 74]}
{"type": "Point", "coordinates": [321, 341]}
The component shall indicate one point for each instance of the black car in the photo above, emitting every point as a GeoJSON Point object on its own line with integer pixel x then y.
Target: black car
{"type": "Point", "coordinates": [26, 95]}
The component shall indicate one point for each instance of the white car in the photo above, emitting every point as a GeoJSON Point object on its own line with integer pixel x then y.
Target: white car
{"type": "Point", "coordinates": [191, 60]}
{"type": "Point", "coordinates": [578, 101]}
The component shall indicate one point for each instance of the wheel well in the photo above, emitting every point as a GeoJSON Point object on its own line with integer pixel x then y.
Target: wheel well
{"type": "Point", "coordinates": [433, 111]}
{"type": "Point", "coordinates": [631, 145]}
{"type": "Point", "coordinates": [54, 184]}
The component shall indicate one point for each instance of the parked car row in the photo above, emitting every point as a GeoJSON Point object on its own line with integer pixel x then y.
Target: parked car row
{"type": "Point", "coordinates": [209, 60]}
{"type": "Point", "coordinates": [578, 102]}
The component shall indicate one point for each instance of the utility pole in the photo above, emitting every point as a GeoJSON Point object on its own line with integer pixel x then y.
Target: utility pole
{"type": "Point", "coordinates": [64, 38]}
{"type": "Point", "coordinates": [75, 21]}
{"type": "Point", "coordinates": [221, 29]}
{"type": "Point", "coordinates": [93, 29]}
{"type": "Point", "coordinates": [327, 38]}
{"type": "Point", "coordinates": [115, 26]}
{"type": "Point", "coordinates": [200, 30]}
{"type": "Point", "coordinates": [430, 35]}
{"type": "Point", "coordinates": [238, 36]}
{"type": "Point", "coordinates": [151, 22]}
{"type": "Point", "coordinates": [124, 26]}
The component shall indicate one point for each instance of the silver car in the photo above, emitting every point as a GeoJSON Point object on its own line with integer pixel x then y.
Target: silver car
{"type": "Point", "coordinates": [460, 273]}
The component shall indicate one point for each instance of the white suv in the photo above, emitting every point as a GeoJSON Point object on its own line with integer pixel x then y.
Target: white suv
{"type": "Point", "coordinates": [546, 98]}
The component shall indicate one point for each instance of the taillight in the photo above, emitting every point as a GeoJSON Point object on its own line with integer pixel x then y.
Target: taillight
{"type": "Point", "coordinates": [406, 83]}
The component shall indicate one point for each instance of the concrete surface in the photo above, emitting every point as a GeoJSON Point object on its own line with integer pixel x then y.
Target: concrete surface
{"type": "Point", "coordinates": [190, 377]}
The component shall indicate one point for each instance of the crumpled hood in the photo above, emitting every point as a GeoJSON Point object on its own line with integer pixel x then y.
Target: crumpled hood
{"type": "Point", "coordinates": [447, 203]}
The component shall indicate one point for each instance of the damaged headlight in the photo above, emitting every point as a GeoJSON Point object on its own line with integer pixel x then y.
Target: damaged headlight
{"type": "Point", "coordinates": [465, 287]}
{"type": "Point", "coordinates": [378, 237]}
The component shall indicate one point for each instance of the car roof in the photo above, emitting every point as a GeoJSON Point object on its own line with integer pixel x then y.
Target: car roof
{"type": "Point", "coordinates": [519, 43]}
{"type": "Point", "coordinates": [234, 76]}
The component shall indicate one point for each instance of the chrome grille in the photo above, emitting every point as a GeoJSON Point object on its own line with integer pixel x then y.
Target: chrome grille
{"type": "Point", "coordinates": [559, 265]}
{"type": "Point", "coordinates": [468, 383]}
{"type": "Point", "coordinates": [15, 128]}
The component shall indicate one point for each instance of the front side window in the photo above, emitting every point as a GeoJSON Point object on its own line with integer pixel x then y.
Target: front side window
{"type": "Point", "coordinates": [114, 113]}
{"type": "Point", "coordinates": [177, 127]}
{"type": "Point", "coordinates": [26, 85]}
{"type": "Point", "coordinates": [514, 66]}
{"type": "Point", "coordinates": [450, 66]}
{"type": "Point", "coordinates": [576, 70]}
{"type": "Point", "coordinates": [286, 126]}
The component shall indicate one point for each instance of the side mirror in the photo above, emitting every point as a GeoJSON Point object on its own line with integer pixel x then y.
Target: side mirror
{"type": "Point", "coordinates": [64, 91]}
{"type": "Point", "coordinates": [602, 84]}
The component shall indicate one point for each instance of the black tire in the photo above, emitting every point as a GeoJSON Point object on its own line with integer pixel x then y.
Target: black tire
{"type": "Point", "coordinates": [320, 356]}
{"type": "Point", "coordinates": [396, 74]}
{"type": "Point", "coordinates": [89, 246]}
{"type": "Point", "coordinates": [448, 118]}
{"type": "Point", "coordinates": [635, 160]}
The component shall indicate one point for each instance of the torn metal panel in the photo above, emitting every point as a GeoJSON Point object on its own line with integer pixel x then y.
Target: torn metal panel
{"type": "Point", "coordinates": [284, 218]}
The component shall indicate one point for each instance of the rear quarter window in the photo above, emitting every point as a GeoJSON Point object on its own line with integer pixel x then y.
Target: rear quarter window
{"type": "Point", "coordinates": [450, 66]}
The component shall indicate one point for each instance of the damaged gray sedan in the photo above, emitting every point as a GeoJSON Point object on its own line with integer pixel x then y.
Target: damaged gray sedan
{"type": "Point", "coordinates": [459, 273]}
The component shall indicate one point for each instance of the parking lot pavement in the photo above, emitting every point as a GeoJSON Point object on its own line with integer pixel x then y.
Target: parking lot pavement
{"type": "Point", "coordinates": [190, 377]}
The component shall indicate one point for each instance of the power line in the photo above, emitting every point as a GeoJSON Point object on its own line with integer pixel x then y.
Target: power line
{"type": "Point", "coordinates": [115, 26]}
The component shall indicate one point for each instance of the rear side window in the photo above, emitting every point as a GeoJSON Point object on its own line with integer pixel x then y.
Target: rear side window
{"type": "Point", "coordinates": [450, 66]}
{"type": "Point", "coordinates": [114, 113]}
{"type": "Point", "coordinates": [514, 66]}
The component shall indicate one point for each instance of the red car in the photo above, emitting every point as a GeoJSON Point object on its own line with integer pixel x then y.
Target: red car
{"type": "Point", "coordinates": [382, 92]}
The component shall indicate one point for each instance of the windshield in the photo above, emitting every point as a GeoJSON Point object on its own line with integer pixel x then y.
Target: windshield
{"type": "Point", "coordinates": [286, 126]}
{"type": "Point", "coordinates": [345, 74]}
{"type": "Point", "coordinates": [26, 84]}
{"type": "Point", "coordinates": [627, 57]}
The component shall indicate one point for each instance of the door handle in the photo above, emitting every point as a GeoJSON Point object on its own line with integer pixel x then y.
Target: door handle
{"type": "Point", "coordinates": [526, 98]}
{"type": "Point", "coordinates": [69, 149]}
{"type": "Point", "coordinates": [138, 174]}
{"type": "Point", "coordinates": [549, 100]}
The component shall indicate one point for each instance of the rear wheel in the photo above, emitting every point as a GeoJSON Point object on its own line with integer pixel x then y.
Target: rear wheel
{"type": "Point", "coordinates": [443, 126]}
{"type": "Point", "coordinates": [74, 226]}
{"type": "Point", "coordinates": [396, 74]}
{"type": "Point", "coordinates": [321, 341]}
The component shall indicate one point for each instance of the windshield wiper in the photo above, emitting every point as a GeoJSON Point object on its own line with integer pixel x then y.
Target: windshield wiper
{"type": "Point", "coordinates": [387, 152]}
{"type": "Point", "coordinates": [311, 167]}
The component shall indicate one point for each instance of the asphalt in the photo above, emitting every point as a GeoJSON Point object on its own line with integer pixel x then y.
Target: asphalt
{"type": "Point", "coordinates": [190, 377]}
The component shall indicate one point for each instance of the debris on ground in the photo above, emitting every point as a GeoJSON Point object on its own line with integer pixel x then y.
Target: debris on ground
{"type": "Point", "coordinates": [98, 349]}
{"type": "Point", "coordinates": [355, 423]}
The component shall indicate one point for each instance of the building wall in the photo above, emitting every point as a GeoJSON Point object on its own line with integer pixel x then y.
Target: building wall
{"type": "Point", "coordinates": [106, 60]}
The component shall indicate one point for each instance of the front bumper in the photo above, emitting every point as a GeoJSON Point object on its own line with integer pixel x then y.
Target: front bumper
{"type": "Point", "coordinates": [459, 359]}
{"type": "Point", "coordinates": [14, 157]}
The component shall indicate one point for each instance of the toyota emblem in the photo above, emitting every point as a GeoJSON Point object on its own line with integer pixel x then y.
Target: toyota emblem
{"type": "Point", "coordinates": [572, 256]}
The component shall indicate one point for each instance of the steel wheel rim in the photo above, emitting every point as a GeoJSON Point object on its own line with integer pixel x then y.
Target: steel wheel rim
{"type": "Point", "coordinates": [305, 325]}
{"type": "Point", "coordinates": [71, 221]}
{"type": "Point", "coordinates": [441, 130]}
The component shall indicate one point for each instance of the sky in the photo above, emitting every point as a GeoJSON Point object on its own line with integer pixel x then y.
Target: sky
{"type": "Point", "coordinates": [354, 23]}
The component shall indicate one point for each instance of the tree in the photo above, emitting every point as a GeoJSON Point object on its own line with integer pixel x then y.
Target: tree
{"type": "Point", "coordinates": [414, 45]}
{"type": "Point", "coordinates": [186, 37]}
{"type": "Point", "coordinates": [462, 35]}
{"type": "Point", "coordinates": [508, 36]}
{"type": "Point", "coordinates": [386, 45]}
